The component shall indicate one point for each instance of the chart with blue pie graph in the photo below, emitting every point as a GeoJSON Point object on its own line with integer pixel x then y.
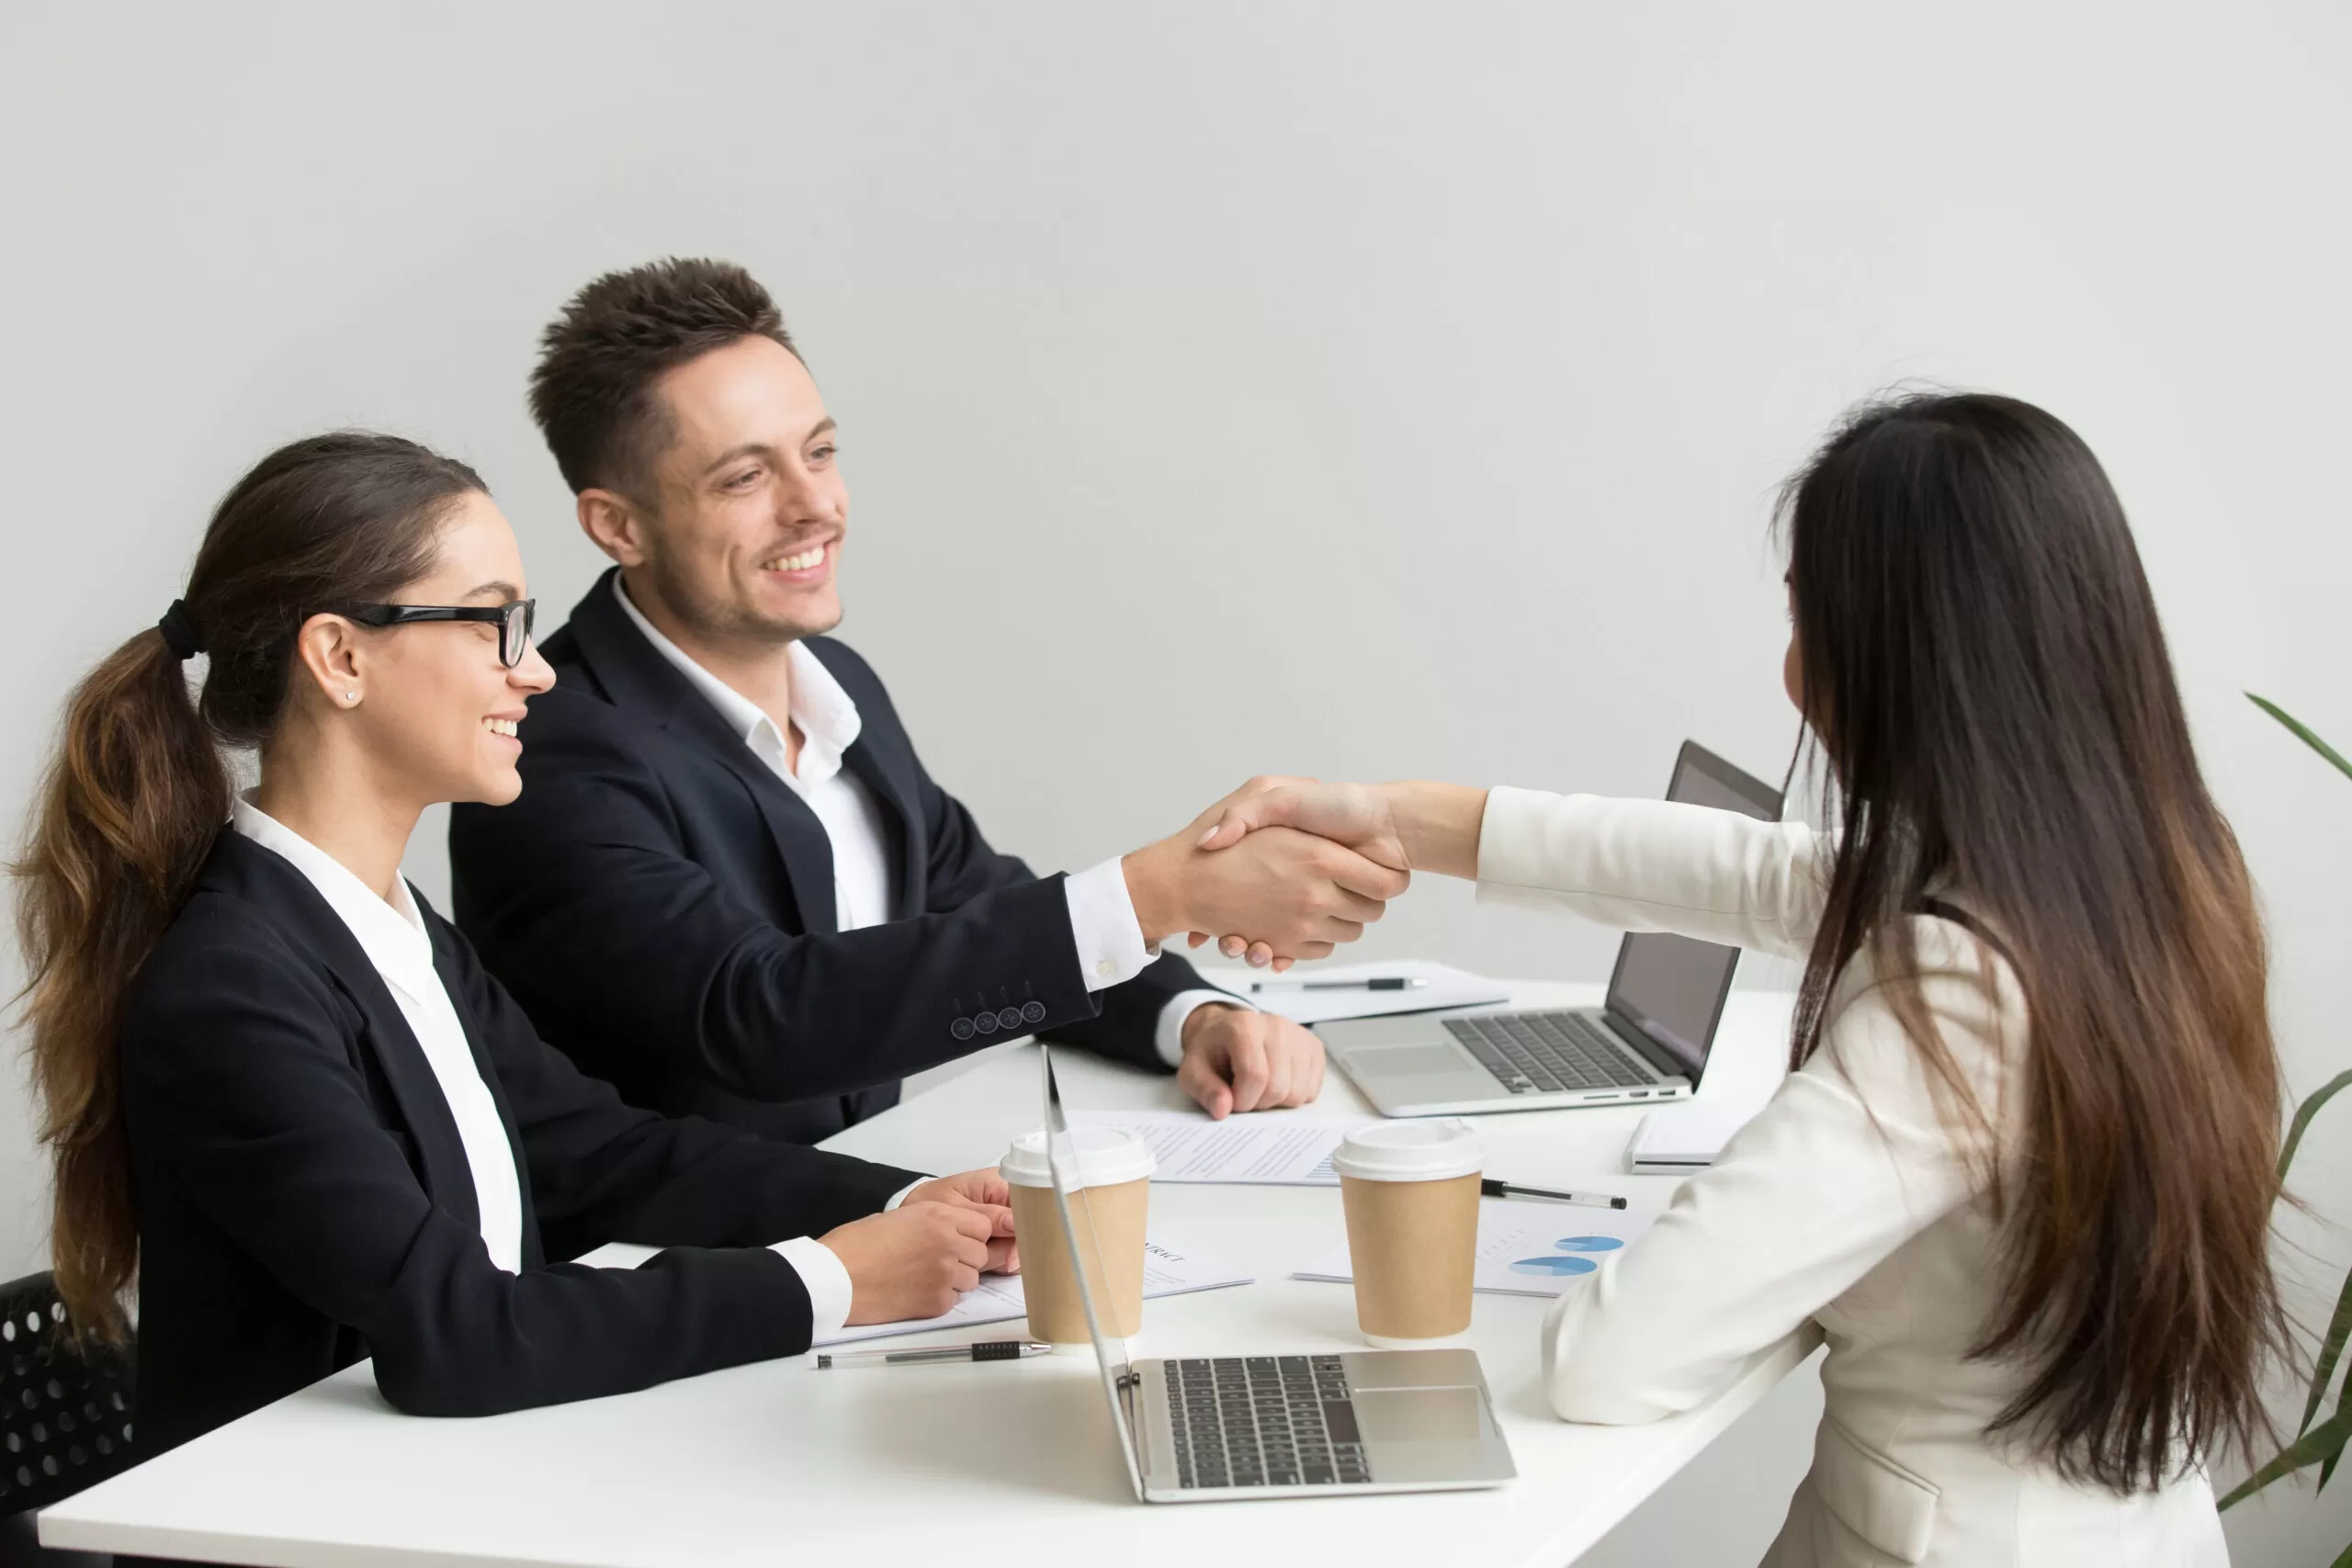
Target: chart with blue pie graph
{"type": "Point", "coordinates": [1554, 1266]}
{"type": "Point", "coordinates": [1588, 1244]}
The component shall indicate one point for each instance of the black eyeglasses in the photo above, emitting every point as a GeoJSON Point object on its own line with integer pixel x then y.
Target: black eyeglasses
{"type": "Point", "coordinates": [513, 620]}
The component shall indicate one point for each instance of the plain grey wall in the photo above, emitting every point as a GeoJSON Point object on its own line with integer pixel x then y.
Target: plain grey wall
{"type": "Point", "coordinates": [1366, 390]}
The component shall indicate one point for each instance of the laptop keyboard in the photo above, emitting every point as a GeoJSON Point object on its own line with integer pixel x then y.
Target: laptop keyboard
{"type": "Point", "coordinates": [1263, 1421]}
{"type": "Point", "coordinates": [1544, 1053]}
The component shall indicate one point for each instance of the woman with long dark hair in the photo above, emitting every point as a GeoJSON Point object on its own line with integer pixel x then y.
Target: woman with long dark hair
{"type": "Point", "coordinates": [284, 1100]}
{"type": "Point", "coordinates": [2020, 1175]}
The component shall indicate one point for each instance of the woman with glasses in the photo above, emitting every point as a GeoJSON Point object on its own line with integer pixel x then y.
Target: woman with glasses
{"type": "Point", "coordinates": [286, 1105]}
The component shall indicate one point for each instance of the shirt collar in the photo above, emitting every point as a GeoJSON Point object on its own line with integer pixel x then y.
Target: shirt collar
{"type": "Point", "coordinates": [827, 715]}
{"type": "Point", "coordinates": [392, 934]}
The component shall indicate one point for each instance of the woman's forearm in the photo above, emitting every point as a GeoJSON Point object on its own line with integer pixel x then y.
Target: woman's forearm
{"type": "Point", "coordinates": [1438, 825]}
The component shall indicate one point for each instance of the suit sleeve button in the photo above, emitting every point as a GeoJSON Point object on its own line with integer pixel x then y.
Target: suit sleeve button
{"type": "Point", "coordinates": [1009, 1019]}
{"type": "Point", "coordinates": [961, 1029]}
{"type": "Point", "coordinates": [1034, 1014]}
{"type": "Point", "coordinates": [985, 1023]}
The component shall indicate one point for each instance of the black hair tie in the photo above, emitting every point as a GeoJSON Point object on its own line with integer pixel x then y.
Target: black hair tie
{"type": "Point", "coordinates": [179, 631]}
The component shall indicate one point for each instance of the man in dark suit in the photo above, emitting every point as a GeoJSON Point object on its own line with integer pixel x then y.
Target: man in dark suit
{"type": "Point", "coordinates": [729, 887]}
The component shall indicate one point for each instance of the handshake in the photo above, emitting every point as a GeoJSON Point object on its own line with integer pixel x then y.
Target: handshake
{"type": "Point", "coordinates": [1280, 870]}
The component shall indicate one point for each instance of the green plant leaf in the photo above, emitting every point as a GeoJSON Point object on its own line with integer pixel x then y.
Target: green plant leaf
{"type": "Point", "coordinates": [2331, 1347]}
{"type": "Point", "coordinates": [2345, 1560]}
{"type": "Point", "coordinates": [2303, 1114]}
{"type": "Point", "coordinates": [2301, 732]}
{"type": "Point", "coordinates": [2327, 1467]}
{"type": "Point", "coordinates": [2312, 1448]}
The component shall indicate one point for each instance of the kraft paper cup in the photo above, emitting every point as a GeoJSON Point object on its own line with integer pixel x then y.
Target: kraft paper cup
{"type": "Point", "coordinates": [1410, 1190]}
{"type": "Point", "coordinates": [1107, 1211]}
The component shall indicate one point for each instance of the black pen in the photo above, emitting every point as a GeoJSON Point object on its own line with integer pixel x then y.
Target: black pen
{"type": "Point", "coordinates": [1489, 1188]}
{"type": "Point", "coordinates": [1392, 983]}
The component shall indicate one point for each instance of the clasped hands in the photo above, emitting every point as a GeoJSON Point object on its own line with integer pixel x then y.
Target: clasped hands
{"type": "Point", "coordinates": [1280, 870]}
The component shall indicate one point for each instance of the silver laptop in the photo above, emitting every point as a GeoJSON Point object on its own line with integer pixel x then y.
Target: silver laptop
{"type": "Point", "coordinates": [1648, 1040]}
{"type": "Point", "coordinates": [1225, 1428]}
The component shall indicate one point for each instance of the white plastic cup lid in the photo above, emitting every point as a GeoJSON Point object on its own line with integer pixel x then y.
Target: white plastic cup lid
{"type": "Point", "coordinates": [1434, 1150]}
{"type": "Point", "coordinates": [1106, 1157]}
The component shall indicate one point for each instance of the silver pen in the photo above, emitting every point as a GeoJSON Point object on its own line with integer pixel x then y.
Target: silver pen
{"type": "Point", "coordinates": [1390, 983]}
{"type": "Point", "coordinates": [985, 1350]}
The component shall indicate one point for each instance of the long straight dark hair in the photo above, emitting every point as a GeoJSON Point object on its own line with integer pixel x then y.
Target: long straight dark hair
{"type": "Point", "coordinates": [1984, 668]}
{"type": "Point", "coordinates": [139, 788]}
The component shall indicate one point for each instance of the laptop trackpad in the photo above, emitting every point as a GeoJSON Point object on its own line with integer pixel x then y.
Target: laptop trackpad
{"type": "Point", "coordinates": [1399, 1061]}
{"type": "Point", "coordinates": [1418, 1414]}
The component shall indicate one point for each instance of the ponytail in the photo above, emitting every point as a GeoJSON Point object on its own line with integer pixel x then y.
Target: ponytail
{"type": "Point", "coordinates": [126, 816]}
{"type": "Point", "coordinates": [140, 789]}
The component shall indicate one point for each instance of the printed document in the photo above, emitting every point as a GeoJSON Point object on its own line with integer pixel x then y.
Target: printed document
{"type": "Point", "coordinates": [1263, 1148]}
{"type": "Point", "coordinates": [1524, 1249]}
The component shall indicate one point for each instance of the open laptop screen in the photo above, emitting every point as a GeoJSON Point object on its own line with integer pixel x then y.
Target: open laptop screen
{"type": "Point", "coordinates": [1671, 987]}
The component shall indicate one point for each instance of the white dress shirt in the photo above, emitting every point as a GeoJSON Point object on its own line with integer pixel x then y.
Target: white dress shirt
{"type": "Point", "coordinates": [393, 937]}
{"type": "Point", "coordinates": [1102, 916]}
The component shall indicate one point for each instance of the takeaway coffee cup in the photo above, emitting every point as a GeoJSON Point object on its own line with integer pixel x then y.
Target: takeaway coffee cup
{"type": "Point", "coordinates": [1410, 1190]}
{"type": "Point", "coordinates": [1113, 1171]}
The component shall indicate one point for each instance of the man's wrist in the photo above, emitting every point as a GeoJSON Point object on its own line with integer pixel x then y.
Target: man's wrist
{"type": "Point", "coordinates": [1173, 1035]}
{"type": "Point", "coordinates": [1151, 889]}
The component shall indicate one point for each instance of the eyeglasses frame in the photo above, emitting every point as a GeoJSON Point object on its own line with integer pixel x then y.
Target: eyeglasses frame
{"type": "Point", "coordinates": [487, 615]}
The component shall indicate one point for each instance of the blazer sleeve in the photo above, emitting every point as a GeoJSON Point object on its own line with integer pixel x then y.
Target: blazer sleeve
{"type": "Point", "coordinates": [963, 868]}
{"type": "Point", "coordinates": [241, 1077]}
{"type": "Point", "coordinates": [587, 899]}
{"type": "Point", "coordinates": [1652, 865]}
{"type": "Point", "coordinates": [602, 1171]}
{"type": "Point", "coordinates": [1854, 1157]}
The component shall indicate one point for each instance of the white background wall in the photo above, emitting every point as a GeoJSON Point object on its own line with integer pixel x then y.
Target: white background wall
{"type": "Point", "coordinates": [1366, 390]}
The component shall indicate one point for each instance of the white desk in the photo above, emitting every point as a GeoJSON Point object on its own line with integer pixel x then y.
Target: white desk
{"type": "Point", "coordinates": [939, 1465]}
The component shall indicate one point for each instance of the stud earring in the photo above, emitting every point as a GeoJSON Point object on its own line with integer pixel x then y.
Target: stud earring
{"type": "Point", "coordinates": [351, 696]}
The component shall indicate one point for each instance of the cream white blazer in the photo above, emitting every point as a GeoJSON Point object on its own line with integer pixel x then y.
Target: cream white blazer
{"type": "Point", "coordinates": [1845, 1212]}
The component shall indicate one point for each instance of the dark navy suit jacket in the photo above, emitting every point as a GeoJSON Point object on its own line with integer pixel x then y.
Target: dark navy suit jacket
{"type": "Point", "coordinates": [663, 906]}
{"type": "Point", "coordinates": [304, 1200]}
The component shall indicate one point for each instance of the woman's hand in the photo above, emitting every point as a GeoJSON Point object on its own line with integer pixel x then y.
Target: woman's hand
{"type": "Point", "coordinates": [987, 1191]}
{"type": "Point", "coordinates": [1362, 816]}
{"type": "Point", "coordinates": [913, 1261]}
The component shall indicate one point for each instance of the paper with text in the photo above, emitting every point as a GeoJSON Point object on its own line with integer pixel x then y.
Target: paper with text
{"type": "Point", "coordinates": [1270, 1149]}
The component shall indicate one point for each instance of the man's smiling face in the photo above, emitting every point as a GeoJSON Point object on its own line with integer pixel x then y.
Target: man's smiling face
{"type": "Point", "coordinates": [749, 508]}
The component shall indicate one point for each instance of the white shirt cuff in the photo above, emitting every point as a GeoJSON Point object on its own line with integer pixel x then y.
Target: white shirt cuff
{"type": "Point", "coordinates": [901, 1195]}
{"type": "Point", "coordinates": [826, 1279]}
{"type": "Point", "coordinates": [1170, 1035]}
{"type": "Point", "coordinates": [1103, 920]}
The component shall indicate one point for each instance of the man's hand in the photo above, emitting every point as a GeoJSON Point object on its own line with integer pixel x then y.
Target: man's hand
{"type": "Point", "coordinates": [913, 1261]}
{"type": "Point", "coordinates": [1239, 1060]}
{"type": "Point", "coordinates": [1299, 894]}
{"type": "Point", "coordinates": [987, 1191]}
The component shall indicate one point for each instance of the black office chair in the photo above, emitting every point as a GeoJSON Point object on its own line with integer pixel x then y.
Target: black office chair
{"type": "Point", "coordinates": [64, 1417]}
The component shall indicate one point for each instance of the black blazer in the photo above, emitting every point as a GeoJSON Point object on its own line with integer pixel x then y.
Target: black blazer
{"type": "Point", "coordinates": [663, 906]}
{"type": "Point", "coordinates": [303, 1198]}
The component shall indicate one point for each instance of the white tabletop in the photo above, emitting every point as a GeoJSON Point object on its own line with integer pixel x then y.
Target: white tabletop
{"type": "Point", "coordinates": [936, 1465]}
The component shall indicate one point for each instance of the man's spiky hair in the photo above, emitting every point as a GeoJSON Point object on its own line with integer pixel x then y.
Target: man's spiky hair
{"type": "Point", "coordinates": [593, 391]}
